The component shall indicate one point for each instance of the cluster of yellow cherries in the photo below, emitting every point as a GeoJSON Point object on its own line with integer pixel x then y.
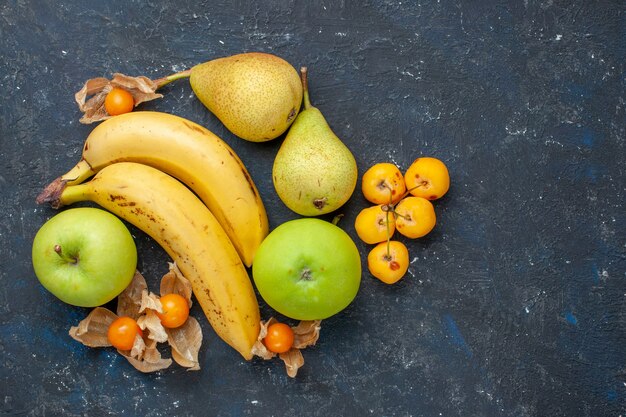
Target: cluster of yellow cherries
{"type": "Point", "coordinates": [403, 204]}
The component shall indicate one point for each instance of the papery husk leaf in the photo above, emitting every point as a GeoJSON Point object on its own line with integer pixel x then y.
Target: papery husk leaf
{"type": "Point", "coordinates": [150, 301]}
{"type": "Point", "coordinates": [140, 304]}
{"type": "Point", "coordinates": [293, 361]}
{"type": "Point", "coordinates": [147, 367]}
{"type": "Point", "coordinates": [139, 347]}
{"type": "Point", "coordinates": [185, 342]}
{"type": "Point", "coordinates": [129, 301]}
{"type": "Point", "coordinates": [152, 323]}
{"type": "Point", "coordinates": [151, 353]}
{"type": "Point", "coordinates": [145, 356]}
{"type": "Point", "coordinates": [306, 333]}
{"type": "Point", "coordinates": [91, 87]}
{"type": "Point", "coordinates": [92, 330]}
{"type": "Point", "coordinates": [259, 349]}
{"type": "Point", "coordinates": [93, 108]}
{"type": "Point", "coordinates": [141, 88]}
{"type": "Point", "coordinates": [175, 283]}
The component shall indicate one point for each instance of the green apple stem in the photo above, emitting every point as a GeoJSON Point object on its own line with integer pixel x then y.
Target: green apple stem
{"type": "Point", "coordinates": [177, 76]}
{"type": "Point", "coordinates": [336, 219]}
{"type": "Point", "coordinates": [305, 87]}
{"type": "Point", "coordinates": [69, 259]}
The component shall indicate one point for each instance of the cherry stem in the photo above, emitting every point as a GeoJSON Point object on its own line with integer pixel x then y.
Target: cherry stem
{"type": "Point", "coordinates": [70, 259]}
{"type": "Point", "coordinates": [401, 215]}
{"type": "Point", "coordinates": [177, 76]}
{"type": "Point", "coordinates": [391, 208]}
{"type": "Point", "coordinates": [387, 208]}
{"type": "Point", "coordinates": [388, 234]}
{"type": "Point", "coordinates": [409, 191]}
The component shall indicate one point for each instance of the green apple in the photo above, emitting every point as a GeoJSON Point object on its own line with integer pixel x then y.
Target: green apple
{"type": "Point", "coordinates": [307, 269]}
{"type": "Point", "coordinates": [85, 256]}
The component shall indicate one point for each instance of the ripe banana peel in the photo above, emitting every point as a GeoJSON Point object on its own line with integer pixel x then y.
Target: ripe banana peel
{"type": "Point", "coordinates": [187, 151]}
{"type": "Point", "coordinates": [172, 215]}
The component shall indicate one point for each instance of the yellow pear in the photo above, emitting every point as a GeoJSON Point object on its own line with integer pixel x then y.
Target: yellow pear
{"type": "Point", "coordinates": [314, 172]}
{"type": "Point", "coordinates": [255, 95]}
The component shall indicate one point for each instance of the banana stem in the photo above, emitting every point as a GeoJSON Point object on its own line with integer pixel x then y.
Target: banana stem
{"type": "Point", "coordinates": [56, 188]}
{"type": "Point", "coordinates": [305, 87]}
{"type": "Point", "coordinates": [73, 194]}
{"type": "Point", "coordinates": [81, 171]}
{"type": "Point", "coordinates": [177, 76]}
{"type": "Point", "coordinates": [51, 193]}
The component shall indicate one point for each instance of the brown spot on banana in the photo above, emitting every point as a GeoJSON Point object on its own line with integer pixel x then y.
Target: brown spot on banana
{"type": "Point", "coordinates": [194, 127]}
{"type": "Point", "coordinates": [113, 197]}
{"type": "Point", "coordinates": [249, 181]}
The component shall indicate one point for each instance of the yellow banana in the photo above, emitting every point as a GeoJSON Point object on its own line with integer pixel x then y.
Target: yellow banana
{"type": "Point", "coordinates": [172, 215]}
{"type": "Point", "coordinates": [188, 152]}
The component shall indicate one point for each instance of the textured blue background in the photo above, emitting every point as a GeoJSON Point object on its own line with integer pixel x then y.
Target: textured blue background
{"type": "Point", "coordinates": [514, 306]}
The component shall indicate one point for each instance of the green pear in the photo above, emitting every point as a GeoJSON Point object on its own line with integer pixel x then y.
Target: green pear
{"type": "Point", "coordinates": [255, 95]}
{"type": "Point", "coordinates": [314, 172]}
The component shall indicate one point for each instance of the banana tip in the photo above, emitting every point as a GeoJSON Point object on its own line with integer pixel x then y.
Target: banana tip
{"type": "Point", "coordinates": [52, 193]}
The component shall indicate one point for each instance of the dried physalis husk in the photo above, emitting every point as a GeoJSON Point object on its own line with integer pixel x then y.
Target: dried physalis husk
{"type": "Point", "coordinates": [185, 342]}
{"type": "Point", "coordinates": [92, 331]}
{"type": "Point", "coordinates": [186, 339]}
{"type": "Point", "coordinates": [149, 360]}
{"type": "Point", "coordinates": [306, 334]}
{"type": "Point", "coordinates": [140, 304]}
{"type": "Point", "coordinates": [150, 301]}
{"type": "Point", "coordinates": [138, 349]}
{"type": "Point", "coordinates": [175, 283]}
{"type": "Point", "coordinates": [90, 98]}
{"type": "Point", "coordinates": [259, 349]}
{"type": "Point", "coordinates": [129, 301]}
{"type": "Point", "coordinates": [293, 361]}
{"type": "Point", "coordinates": [151, 322]}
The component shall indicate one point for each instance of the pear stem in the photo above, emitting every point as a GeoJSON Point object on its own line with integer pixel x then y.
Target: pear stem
{"type": "Point", "coordinates": [305, 87]}
{"type": "Point", "coordinates": [177, 76]}
{"type": "Point", "coordinates": [70, 259]}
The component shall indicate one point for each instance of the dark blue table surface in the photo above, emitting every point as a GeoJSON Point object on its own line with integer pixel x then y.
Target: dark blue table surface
{"type": "Point", "coordinates": [515, 305]}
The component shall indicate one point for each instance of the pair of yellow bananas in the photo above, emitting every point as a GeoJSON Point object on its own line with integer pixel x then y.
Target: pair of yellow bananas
{"type": "Point", "coordinates": [211, 227]}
